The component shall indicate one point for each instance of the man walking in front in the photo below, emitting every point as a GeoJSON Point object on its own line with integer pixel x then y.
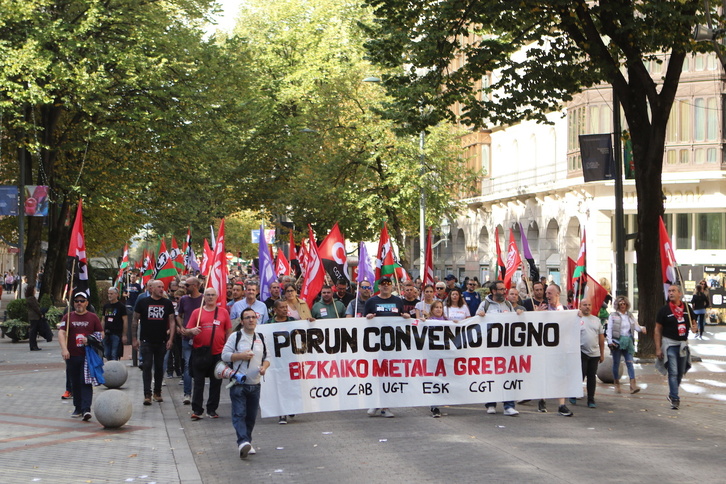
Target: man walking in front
{"type": "Point", "coordinates": [246, 350]}
{"type": "Point", "coordinates": [592, 348]}
{"type": "Point", "coordinates": [671, 340]}
{"type": "Point", "coordinates": [73, 341]}
{"type": "Point", "coordinates": [155, 315]}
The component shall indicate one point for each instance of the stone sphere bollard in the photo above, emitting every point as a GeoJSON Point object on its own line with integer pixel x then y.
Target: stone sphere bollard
{"type": "Point", "coordinates": [112, 408]}
{"type": "Point", "coordinates": [605, 370]}
{"type": "Point", "coordinates": [115, 374]}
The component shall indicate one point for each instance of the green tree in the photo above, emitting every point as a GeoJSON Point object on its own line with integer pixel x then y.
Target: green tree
{"type": "Point", "coordinates": [327, 155]}
{"type": "Point", "coordinates": [563, 47]}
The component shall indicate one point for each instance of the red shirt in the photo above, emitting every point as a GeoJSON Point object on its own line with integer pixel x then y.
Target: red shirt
{"type": "Point", "coordinates": [207, 323]}
{"type": "Point", "coordinates": [83, 324]}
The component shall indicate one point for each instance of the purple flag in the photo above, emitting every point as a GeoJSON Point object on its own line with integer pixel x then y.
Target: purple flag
{"type": "Point", "coordinates": [365, 270]}
{"type": "Point", "coordinates": [191, 261]}
{"type": "Point", "coordinates": [267, 268]}
{"type": "Point", "coordinates": [533, 271]}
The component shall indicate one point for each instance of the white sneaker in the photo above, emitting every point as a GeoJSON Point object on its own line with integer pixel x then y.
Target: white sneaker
{"type": "Point", "coordinates": [252, 450]}
{"type": "Point", "coordinates": [492, 410]}
{"type": "Point", "coordinates": [244, 449]}
{"type": "Point", "coordinates": [372, 412]}
{"type": "Point", "coordinates": [511, 412]}
{"type": "Point", "coordinates": [386, 413]}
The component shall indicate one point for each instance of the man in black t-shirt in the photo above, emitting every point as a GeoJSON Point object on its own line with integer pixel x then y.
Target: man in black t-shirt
{"type": "Point", "coordinates": [409, 298]}
{"type": "Point", "coordinates": [114, 325]}
{"type": "Point", "coordinates": [155, 315]}
{"type": "Point", "coordinates": [385, 303]}
{"type": "Point", "coordinates": [671, 339]}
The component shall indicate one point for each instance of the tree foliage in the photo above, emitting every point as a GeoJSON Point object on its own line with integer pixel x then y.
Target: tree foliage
{"type": "Point", "coordinates": [329, 157]}
{"type": "Point", "coordinates": [540, 54]}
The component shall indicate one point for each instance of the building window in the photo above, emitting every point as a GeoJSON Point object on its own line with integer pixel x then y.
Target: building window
{"type": "Point", "coordinates": [683, 157]}
{"type": "Point", "coordinates": [710, 229]}
{"type": "Point", "coordinates": [683, 231]}
{"type": "Point", "coordinates": [671, 157]}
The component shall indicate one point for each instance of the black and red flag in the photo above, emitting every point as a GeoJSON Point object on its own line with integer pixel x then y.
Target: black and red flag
{"type": "Point", "coordinates": [332, 253]}
{"type": "Point", "coordinates": [77, 260]}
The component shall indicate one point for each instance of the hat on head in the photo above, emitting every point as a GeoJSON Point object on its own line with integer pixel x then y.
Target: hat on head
{"type": "Point", "coordinates": [450, 277]}
{"type": "Point", "coordinates": [384, 279]}
{"type": "Point", "coordinates": [81, 294]}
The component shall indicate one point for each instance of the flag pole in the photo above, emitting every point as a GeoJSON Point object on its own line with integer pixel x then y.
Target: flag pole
{"type": "Point", "coordinates": [70, 297]}
{"type": "Point", "coordinates": [688, 312]}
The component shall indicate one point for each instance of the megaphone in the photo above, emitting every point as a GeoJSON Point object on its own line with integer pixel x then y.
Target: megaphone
{"type": "Point", "coordinates": [224, 372]}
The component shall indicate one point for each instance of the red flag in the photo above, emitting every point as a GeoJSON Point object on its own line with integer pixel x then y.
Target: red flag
{"type": "Point", "coordinates": [218, 268]}
{"type": "Point", "coordinates": [282, 266]}
{"type": "Point", "coordinates": [207, 258]}
{"type": "Point", "coordinates": [314, 273]}
{"type": "Point", "coordinates": [303, 256]}
{"type": "Point", "coordinates": [332, 253]}
{"type": "Point", "coordinates": [513, 260]}
{"type": "Point", "coordinates": [77, 253]}
{"type": "Point", "coordinates": [667, 260]}
{"type": "Point", "coordinates": [429, 264]}
{"type": "Point", "coordinates": [595, 293]}
{"type": "Point", "coordinates": [571, 265]}
{"type": "Point", "coordinates": [501, 270]}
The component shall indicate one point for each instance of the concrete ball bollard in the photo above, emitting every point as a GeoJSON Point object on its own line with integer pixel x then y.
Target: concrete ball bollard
{"type": "Point", "coordinates": [112, 409]}
{"type": "Point", "coordinates": [605, 370]}
{"type": "Point", "coordinates": [115, 374]}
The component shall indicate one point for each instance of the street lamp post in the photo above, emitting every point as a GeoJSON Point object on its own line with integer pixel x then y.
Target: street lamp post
{"type": "Point", "coordinates": [422, 193]}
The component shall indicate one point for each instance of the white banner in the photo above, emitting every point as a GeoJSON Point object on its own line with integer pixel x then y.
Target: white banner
{"type": "Point", "coordinates": [343, 364]}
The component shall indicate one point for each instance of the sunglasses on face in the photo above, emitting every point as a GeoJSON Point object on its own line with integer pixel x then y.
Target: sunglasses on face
{"type": "Point", "coordinates": [385, 283]}
{"type": "Point", "coordinates": [79, 300]}
{"type": "Point", "coordinates": [365, 287]}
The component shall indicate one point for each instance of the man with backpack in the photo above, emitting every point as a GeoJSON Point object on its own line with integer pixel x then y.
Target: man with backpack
{"type": "Point", "coordinates": [247, 352]}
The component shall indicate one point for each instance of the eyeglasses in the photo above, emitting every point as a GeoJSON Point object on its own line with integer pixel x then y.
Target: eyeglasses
{"type": "Point", "coordinates": [386, 283]}
{"type": "Point", "coordinates": [440, 287]}
{"type": "Point", "coordinates": [291, 290]}
{"type": "Point", "coordinates": [250, 318]}
{"type": "Point", "coordinates": [365, 287]}
{"type": "Point", "coordinates": [79, 300]}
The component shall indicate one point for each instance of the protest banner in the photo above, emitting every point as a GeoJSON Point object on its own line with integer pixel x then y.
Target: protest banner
{"type": "Point", "coordinates": [343, 364]}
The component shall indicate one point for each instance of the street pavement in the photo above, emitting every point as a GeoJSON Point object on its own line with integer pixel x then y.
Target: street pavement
{"type": "Point", "coordinates": [628, 438]}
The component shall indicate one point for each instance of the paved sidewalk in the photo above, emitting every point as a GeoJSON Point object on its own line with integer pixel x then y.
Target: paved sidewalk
{"type": "Point", "coordinates": [628, 438]}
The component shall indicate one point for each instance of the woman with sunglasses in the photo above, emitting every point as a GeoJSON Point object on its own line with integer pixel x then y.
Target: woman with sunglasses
{"type": "Point", "coordinates": [621, 330]}
{"type": "Point", "coordinates": [296, 307]}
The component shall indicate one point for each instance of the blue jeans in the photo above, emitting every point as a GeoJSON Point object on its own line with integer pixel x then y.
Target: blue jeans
{"type": "Point", "coordinates": [628, 363]}
{"type": "Point", "coordinates": [186, 356]}
{"type": "Point", "coordinates": [676, 365]}
{"type": "Point", "coordinates": [701, 318]}
{"type": "Point", "coordinates": [245, 403]}
{"type": "Point", "coordinates": [82, 391]}
{"type": "Point", "coordinates": [110, 346]}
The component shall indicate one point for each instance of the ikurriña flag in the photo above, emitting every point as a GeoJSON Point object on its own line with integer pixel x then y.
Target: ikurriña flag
{"type": "Point", "coordinates": [596, 293]}
{"type": "Point", "coordinates": [77, 260]}
{"type": "Point", "coordinates": [123, 266]}
{"type": "Point", "coordinates": [176, 256]}
{"type": "Point", "coordinates": [332, 253]}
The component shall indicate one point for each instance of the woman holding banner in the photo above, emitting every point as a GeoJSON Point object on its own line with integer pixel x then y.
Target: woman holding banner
{"type": "Point", "coordinates": [423, 307]}
{"type": "Point", "coordinates": [455, 308]}
{"type": "Point", "coordinates": [621, 330]}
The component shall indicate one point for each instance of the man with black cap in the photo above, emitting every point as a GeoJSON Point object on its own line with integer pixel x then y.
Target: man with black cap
{"type": "Point", "coordinates": [384, 304]}
{"type": "Point", "coordinates": [450, 282]}
{"type": "Point", "coordinates": [73, 331]}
